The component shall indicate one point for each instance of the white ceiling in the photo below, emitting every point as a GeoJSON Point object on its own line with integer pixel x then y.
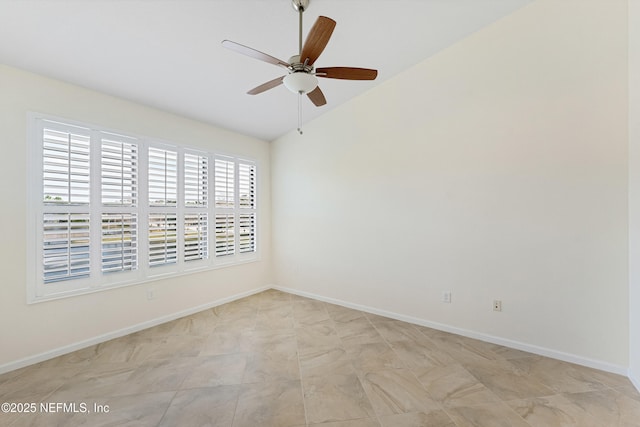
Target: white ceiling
{"type": "Point", "coordinates": [167, 53]}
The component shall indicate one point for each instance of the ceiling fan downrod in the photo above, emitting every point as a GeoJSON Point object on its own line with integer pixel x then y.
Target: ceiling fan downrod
{"type": "Point", "coordinates": [300, 6]}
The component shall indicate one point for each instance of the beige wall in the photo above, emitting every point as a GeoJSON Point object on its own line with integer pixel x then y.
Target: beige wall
{"type": "Point", "coordinates": [634, 191]}
{"type": "Point", "coordinates": [496, 169]}
{"type": "Point", "coordinates": [31, 330]}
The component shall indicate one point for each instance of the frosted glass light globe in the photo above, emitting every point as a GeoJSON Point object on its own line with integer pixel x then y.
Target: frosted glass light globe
{"type": "Point", "coordinates": [300, 82]}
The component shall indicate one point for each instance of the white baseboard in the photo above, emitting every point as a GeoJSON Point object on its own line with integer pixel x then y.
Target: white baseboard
{"type": "Point", "coordinates": [634, 378]}
{"type": "Point", "coordinates": [21, 363]}
{"type": "Point", "coordinates": [542, 351]}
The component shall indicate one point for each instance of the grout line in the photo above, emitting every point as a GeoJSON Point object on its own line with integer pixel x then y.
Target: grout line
{"type": "Point", "coordinates": [295, 335]}
{"type": "Point", "coordinates": [164, 414]}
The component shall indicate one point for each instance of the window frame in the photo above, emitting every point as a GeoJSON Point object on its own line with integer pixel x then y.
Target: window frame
{"type": "Point", "coordinates": [39, 291]}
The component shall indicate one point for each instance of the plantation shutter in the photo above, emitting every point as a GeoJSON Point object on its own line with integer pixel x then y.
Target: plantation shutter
{"type": "Point", "coordinates": [196, 199]}
{"type": "Point", "coordinates": [162, 193]}
{"type": "Point", "coordinates": [247, 233]}
{"type": "Point", "coordinates": [196, 176]}
{"type": "Point", "coordinates": [247, 185]}
{"type": "Point", "coordinates": [195, 236]}
{"type": "Point", "coordinates": [65, 246]}
{"type": "Point", "coordinates": [66, 169]}
{"type": "Point", "coordinates": [119, 195]}
{"type": "Point", "coordinates": [163, 239]}
{"type": "Point", "coordinates": [225, 236]}
{"type": "Point", "coordinates": [224, 183]}
{"type": "Point", "coordinates": [106, 209]}
{"type": "Point", "coordinates": [163, 177]}
{"type": "Point", "coordinates": [119, 242]}
{"type": "Point", "coordinates": [246, 207]}
{"type": "Point", "coordinates": [119, 172]}
{"type": "Point", "coordinates": [66, 166]}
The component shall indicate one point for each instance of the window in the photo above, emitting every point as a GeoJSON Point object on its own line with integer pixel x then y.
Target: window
{"type": "Point", "coordinates": [111, 210]}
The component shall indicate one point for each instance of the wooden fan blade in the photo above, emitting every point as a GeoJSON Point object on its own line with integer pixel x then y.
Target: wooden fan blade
{"type": "Point", "coordinates": [317, 97]}
{"type": "Point", "coordinates": [347, 73]}
{"type": "Point", "coordinates": [256, 54]}
{"type": "Point", "coordinates": [317, 39]}
{"type": "Point", "coordinates": [266, 86]}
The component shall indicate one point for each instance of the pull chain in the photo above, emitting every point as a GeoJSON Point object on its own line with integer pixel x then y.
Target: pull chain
{"type": "Point", "coordinates": [300, 112]}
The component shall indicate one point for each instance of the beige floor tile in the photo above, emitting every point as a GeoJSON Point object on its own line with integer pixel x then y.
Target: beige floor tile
{"type": "Point", "coordinates": [225, 341]}
{"type": "Point", "coordinates": [396, 391]}
{"type": "Point", "coordinates": [506, 381]}
{"type": "Point", "coordinates": [280, 340]}
{"type": "Point", "coordinates": [212, 406]}
{"type": "Point", "coordinates": [341, 314]}
{"type": "Point", "coordinates": [277, 359]}
{"type": "Point", "coordinates": [309, 314]}
{"type": "Point", "coordinates": [155, 375]}
{"type": "Point", "coordinates": [395, 330]}
{"type": "Point", "coordinates": [467, 350]}
{"type": "Point", "coordinates": [420, 355]}
{"type": "Point", "coordinates": [608, 406]}
{"type": "Point", "coordinates": [37, 382]}
{"type": "Point", "coordinates": [271, 366]}
{"type": "Point", "coordinates": [335, 398]}
{"type": "Point", "coordinates": [270, 405]}
{"type": "Point", "coordinates": [558, 375]}
{"type": "Point", "coordinates": [126, 349]}
{"type": "Point", "coordinates": [210, 371]}
{"type": "Point", "coordinates": [317, 337]}
{"type": "Point", "coordinates": [629, 390]}
{"type": "Point", "coordinates": [177, 346]}
{"type": "Point", "coordinates": [199, 324]}
{"type": "Point", "coordinates": [452, 386]}
{"type": "Point", "coordinates": [326, 362]}
{"type": "Point", "coordinates": [105, 379]}
{"type": "Point", "coordinates": [486, 415]}
{"type": "Point", "coordinates": [146, 410]}
{"type": "Point", "coordinates": [357, 332]}
{"type": "Point", "coordinates": [362, 422]}
{"type": "Point", "coordinates": [436, 418]}
{"type": "Point", "coordinates": [374, 357]}
{"type": "Point", "coordinates": [239, 314]}
{"type": "Point", "coordinates": [553, 411]}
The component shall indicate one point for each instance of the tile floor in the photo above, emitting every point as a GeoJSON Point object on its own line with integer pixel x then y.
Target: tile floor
{"type": "Point", "coordinates": [275, 359]}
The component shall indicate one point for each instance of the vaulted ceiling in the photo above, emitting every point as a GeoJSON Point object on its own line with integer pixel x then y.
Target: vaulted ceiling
{"type": "Point", "coordinates": [168, 54]}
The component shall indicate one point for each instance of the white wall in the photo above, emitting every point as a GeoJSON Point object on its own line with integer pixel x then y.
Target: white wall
{"type": "Point", "coordinates": [634, 191]}
{"type": "Point", "coordinates": [30, 330]}
{"type": "Point", "coordinates": [496, 169]}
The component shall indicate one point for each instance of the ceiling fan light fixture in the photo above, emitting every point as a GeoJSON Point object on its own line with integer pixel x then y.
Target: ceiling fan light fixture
{"type": "Point", "coordinates": [300, 82]}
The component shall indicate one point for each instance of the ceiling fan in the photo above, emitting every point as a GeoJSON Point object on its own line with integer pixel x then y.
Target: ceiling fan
{"type": "Point", "coordinates": [301, 76]}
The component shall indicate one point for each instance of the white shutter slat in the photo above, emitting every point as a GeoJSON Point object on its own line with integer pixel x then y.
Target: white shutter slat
{"type": "Point", "coordinates": [246, 185]}
{"type": "Point", "coordinates": [163, 177]}
{"type": "Point", "coordinates": [224, 183]}
{"type": "Point", "coordinates": [119, 172]}
{"type": "Point", "coordinates": [65, 166]}
{"type": "Point", "coordinates": [66, 246]}
{"type": "Point", "coordinates": [247, 233]}
{"type": "Point", "coordinates": [163, 239]}
{"type": "Point", "coordinates": [119, 242]}
{"type": "Point", "coordinates": [224, 235]}
{"type": "Point", "coordinates": [196, 176]}
{"type": "Point", "coordinates": [196, 236]}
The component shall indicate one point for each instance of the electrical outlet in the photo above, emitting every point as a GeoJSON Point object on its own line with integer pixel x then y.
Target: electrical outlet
{"type": "Point", "coordinates": [446, 296]}
{"type": "Point", "coordinates": [497, 305]}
